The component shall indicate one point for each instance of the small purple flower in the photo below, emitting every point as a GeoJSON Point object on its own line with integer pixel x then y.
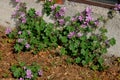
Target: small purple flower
{"type": "Point", "coordinates": [20, 32]}
{"type": "Point", "coordinates": [96, 23]}
{"type": "Point", "coordinates": [29, 74]}
{"type": "Point", "coordinates": [38, 13]}
{"type": "Point", "coordinates": [53, 7]}
{"type": "Point", "coordinates": [88, 18]}
{"type": "Point", "coordinates": [22, 14]}
{"type": "Point", "coordinates": [14, 14]}
{"type": "Point", "coordinates": [107, 42]}
{"type": "Point", "coordinates": [61, 21]}
{"type": "Point", "coordinates": [27, 45]}
{"type": "Point", "coordinates": [17, 0]}
{"type": "Point", "coordinates": [21, 79]}
{"type": "Point", "coordinates": [117, 7]}
{"type": "Point", "coordinates": [17, 7]}
{"type": "Point", "coordinates": [20, 40]}
{"type": "Point", "coordinates": [73, 19]}
{"type": "Point", "coordinates": [84, 25]}
{"type": "Point", "coordinates": [40, 72]}
{"type": "Point", "coordinates": [57, 15]}
{"type": "Point", "coordinates": [71, 34]}
{"type": "Point", "coordinates": [80, 18]}
{"type": "Point", "coordinates": [88, 11]}
{"type": "Point", "coordinates": [8, 30]}
{"type": "Point", "coordinates": [79, 34]}
{"type": "Point", "coordinates": [23, 20]}
{"type": "Point", "coordinates": [62, 11]}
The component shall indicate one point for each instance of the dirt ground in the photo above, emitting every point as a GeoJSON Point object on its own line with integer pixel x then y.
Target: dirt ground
{"type": "Point", "coordinates": [54, 66]}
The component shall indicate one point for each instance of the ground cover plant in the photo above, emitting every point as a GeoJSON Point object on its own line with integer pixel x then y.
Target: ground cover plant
{"type": "Point", "coordinates": [79, 36]}
{"type": "Point", "coordinates": [23, 72]}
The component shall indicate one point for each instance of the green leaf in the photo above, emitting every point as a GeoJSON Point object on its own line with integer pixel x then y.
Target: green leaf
{"type": "Point", "coordinates": [18, 47]}
{"type": "Point", "coordinates": [63, 51]}
{"type": "Point", "coordinates": [104, 50]}
{"type": "Point", "coordinates": [63, 39]}
{"type": "Point", "coordinates": [78, 60]}
{"type": "Point", "coordinates": [83, 45]}
{"type": "Point", "coordinates": [83, 52]}
{"type": "Point", "coordinates": [94, 67]}
{"type": "Point", "coordinates": [83, 38]}
{"type": "Point", "coordinates": [84, 62]}
{"type": "Point", "coordinates": [70, 28]}
{"type": "Point", "coordinates": [112, 41]}
{"type": "Point", "coordinates": [17, 72]}
{"type": "Point", "coordinates": [71, 47]}
{"type": "Point", "coordinates": [103, 30]}
{"type": "Point", "coordinates": [31, 12]}
{"type": "Point", "coordinates": [100, 60]}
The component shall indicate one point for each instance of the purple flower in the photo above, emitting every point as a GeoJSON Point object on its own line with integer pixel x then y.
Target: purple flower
{"type": "Point", "coordinates": [88, 18]}
{"type": "Point", "coordinates": [84, 25]}
{"type": "Point", "coordinates": [17, 0]}
{"type": "Point", "coordinates": [96, 23]}
{"type": "Point", "coordinates": [23, 20]}
{"type": "Point", "coordinates": [107, 42]}
{"type": "Point", "coordinates": [61, 21]}
{"type": "Point", "coordinates": [8, 30]}
{"type": "Point", "coordinates": [117, 7]}
{"type": "Point", "coordinates": [79, 34]}
{"type": "Point", "coordinates": [71, 34]}
{"type": "Point", "coordinates": [80, 18]}
{"type": "Point", "coordinates": [29, 74]}
{"type": "Point", "coordinates": [38, 13]}
{"type": "Point", "coordinates": [14, 14]}
{"type": "Point", "coordinates": [53, 7]}
{"type": "Point", "coordinates": [57, 15]}
{"type": "Point", "coordinates": [88, 11]}
{"type": "Point", "coordinates": [17, 7]}
{"type": "Point", "coordinates": [73, 19]}
{"type": "Point", "coordinates": [62, 11]}
{"type": "Point", "coordinates": [40, 72]}
{"type": "Point", "coordinates": [27, 45]}
{"type": "Point", "coordinates": [20, 40]}
{"type": "Point", "coordinates": [20, 32]}
{"type": "Point", "coordinates": [22, 14]}
{"type": "Point", "coordinates": [21, 79]}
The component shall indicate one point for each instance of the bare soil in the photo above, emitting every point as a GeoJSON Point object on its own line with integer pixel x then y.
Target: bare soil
{"type": "Point", "coordinates": [54, 66]}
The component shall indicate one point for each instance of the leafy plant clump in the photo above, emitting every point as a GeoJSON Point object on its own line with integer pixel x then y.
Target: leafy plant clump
{"type": "Point", "coordinates": [79, 36]}
{"type": "Point", "coordinates": [23, 72]}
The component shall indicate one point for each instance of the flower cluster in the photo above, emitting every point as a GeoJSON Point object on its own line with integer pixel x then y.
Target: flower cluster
{"type": "Point", "coordinates": [8, 30]}
{"type": "Point", "coordinates": [29, 74]}
{"type": "Point", "coordinates": [59, 13]}
{"type": "Point", "coordinates": [84, 19]}
{"type": "Point", "coordinates": [20, 11]}
{"type": "Point", "coordinates": [117, 7]}
{"type": "Point", "coordinates": [76, 36]}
